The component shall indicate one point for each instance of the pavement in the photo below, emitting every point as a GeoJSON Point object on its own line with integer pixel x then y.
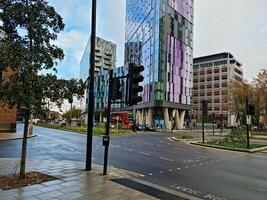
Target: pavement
{"type": "Point", "coordinates": [72, 183]}
{"type": "Point", "coordinates": [14, 136]}
{"type": "Point", "coordinates": [167, 166]}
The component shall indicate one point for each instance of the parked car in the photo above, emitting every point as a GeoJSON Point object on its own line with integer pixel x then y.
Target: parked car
{"type": "Point", "coordinates": [150, 128]}
{"type": "Point", "coordinates": [140, 127]}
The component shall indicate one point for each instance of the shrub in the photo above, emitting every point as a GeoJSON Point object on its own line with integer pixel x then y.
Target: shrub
{"type": "Point", "coordinates": [237, 135]}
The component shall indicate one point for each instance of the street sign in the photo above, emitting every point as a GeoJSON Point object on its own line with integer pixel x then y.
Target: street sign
{"type": "Point", "coordinates": [248, 117]}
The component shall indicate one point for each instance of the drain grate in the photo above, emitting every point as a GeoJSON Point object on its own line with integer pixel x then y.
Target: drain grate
{"type": "Point", "coordinates": [154, 192]}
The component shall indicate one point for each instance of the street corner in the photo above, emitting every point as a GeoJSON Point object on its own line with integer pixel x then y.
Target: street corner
{"type": "Point", "coordinates": [14, 136]}
{"type": "Point", "coordinates": [122, 173]}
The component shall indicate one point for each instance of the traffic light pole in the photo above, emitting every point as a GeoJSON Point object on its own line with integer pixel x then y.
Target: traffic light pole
{"type": "Point", "coordinates": [247, 113]}
{"type": "Point", "coordinates": [213, 123]}
{"type": "Point", "coordinates": [133, 78]}
{"type": "Point", "coordinates": [90, 105]}
{"type": "Point", "coordinates": [203, 128]}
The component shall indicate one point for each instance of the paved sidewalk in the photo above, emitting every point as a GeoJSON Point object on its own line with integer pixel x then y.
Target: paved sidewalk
{"type": "Point", "coordinates": [73, 182]}
{"type": "Point", "coordinates": [13, 136]}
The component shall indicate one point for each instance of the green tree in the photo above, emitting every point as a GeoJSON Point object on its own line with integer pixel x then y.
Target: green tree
{"type": "Point", "coordinates": [30, 27]}
{"type": "Point", "coordinates": [72, 88]}
{"type": "Point", "coordinates": [238, 91]}
{"type": "Point", "coordinates": [260, 88]}
{"type": "Point", "coordinates": [73, 113]}
{"type": "Point", "coordinates": [52, 92]}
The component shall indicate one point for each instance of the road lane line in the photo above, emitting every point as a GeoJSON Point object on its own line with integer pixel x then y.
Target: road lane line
{"type": "Point", "coordinates": [144, 153]}
{"type": "Point", "coordinates": [128, 149]}
{"type": "Point", "coordinates": [163, 158]}
{"type": "Point", "coordinates": [115, 146]}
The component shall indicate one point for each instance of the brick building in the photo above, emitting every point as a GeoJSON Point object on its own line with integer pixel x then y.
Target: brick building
{"type": "Point", "coordinates": [7, 114]}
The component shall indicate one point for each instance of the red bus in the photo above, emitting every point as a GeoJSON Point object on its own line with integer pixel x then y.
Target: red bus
{"type": "Point", "coordinates": [123, 118]}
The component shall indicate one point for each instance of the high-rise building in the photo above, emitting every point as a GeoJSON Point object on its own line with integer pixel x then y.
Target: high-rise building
{"type": "Point", "coordinates": [159, 35]}
{"type": "Point", "coordinates": [212, 74]}
{"type": "Point", "coordinates": [105, 59]}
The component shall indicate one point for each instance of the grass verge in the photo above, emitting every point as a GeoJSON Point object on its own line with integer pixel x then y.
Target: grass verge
{"type": "Point", "coordinates": [184, 137]}
{"type": "Point", "coordinates": [235, 145]}
{"type": "Point", "coordinates": [82, 130]}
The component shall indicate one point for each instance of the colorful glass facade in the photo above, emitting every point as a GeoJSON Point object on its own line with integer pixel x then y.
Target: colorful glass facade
{"type": "Point", "coordinates": [159, 35]}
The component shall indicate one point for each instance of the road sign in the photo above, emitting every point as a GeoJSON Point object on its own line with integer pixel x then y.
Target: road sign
{"type": "Point", "coordinates": [248, 117]}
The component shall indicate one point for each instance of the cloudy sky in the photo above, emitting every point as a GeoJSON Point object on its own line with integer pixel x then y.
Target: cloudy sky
{"type": "Point", "coordinates": [236, 26]}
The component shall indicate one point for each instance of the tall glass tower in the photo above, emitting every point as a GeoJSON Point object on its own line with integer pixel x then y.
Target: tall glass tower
{"type": "Point", "coordinates": [159, 35]}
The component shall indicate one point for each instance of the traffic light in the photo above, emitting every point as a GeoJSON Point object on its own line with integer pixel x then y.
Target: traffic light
{"type": "Point", "coordinates": [205, 108]}
{"type": "Point", "coordinates": [133, 87]}
{"type": "Point", "coordinates": [116, 89]}
{"type": "Point", "coordinates": [251, 109]}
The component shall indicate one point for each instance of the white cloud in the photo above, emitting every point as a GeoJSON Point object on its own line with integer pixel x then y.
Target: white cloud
{"type": "Point", "coordinates": [237, 26]}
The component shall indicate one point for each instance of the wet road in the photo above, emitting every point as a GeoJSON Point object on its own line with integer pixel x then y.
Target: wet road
{"type": "Point", "coordinates": [206, 173]}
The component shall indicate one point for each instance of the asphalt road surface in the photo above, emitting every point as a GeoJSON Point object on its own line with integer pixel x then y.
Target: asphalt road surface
{"type": "Point", "coordinates": [205, 173]}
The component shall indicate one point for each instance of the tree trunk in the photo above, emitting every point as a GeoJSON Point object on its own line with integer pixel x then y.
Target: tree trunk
{"type": "Point", "coordinates": [70, 113]}
{"type": "Point", "coordinates": [30, 124]}
{"type": "Point", "coordinates": [48, 112]}
{"type": "Point", "coordinates": [24, 147]}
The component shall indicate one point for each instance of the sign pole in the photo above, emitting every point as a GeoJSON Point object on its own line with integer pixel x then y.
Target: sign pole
{"type": "Point", "coordinates": [106, 137]}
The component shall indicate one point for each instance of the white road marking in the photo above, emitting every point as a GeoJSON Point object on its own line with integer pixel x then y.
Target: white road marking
{"type": "Point", "coordinates": [163, 158]}
{"type": "Point", "coordinates": [170, 170]}
{"type": "Point", "coordinates": [178, 168]}
{"type": "Point", "coordinates": [186, 167]}
{"type": "Point", "coordinates": [150, 174]}
{"type": "Point", "coordinates": [115, 146]}
{"type": "Point", "coordinates": [128, 149]}
{"type": "Point", "coordinates": [144, 153]}
{"type": "Point", "coordinates": [161, 172]}
{"type": "Point", "coordinates": [188, 161]}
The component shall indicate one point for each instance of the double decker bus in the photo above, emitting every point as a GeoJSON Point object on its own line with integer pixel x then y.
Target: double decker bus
{"type": "Point", "coordinates": [123, 118]}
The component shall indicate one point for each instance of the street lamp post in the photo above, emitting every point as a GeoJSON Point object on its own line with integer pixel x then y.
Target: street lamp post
{"type": "Point", "coordinates": [90, 105]}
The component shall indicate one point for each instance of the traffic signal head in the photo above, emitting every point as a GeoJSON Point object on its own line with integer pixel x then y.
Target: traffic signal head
{"type": "Point", "coordinates": [133, 87]}
{"type": "Point", "coordinates": [251, 109]}
{"type": "Point", "coordinates": [116, 89]}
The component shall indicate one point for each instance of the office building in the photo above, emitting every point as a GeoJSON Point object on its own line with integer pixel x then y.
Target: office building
{"type": "Point", "coordinates": [105, 59]}
{"type": "Point", "coordinates": [212, 74]}
{"type": "Point", "coordinates": [159, 36]}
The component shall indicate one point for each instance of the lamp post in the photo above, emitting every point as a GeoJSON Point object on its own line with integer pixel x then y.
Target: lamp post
{"type": "Point", "coordinates": [90, 105]}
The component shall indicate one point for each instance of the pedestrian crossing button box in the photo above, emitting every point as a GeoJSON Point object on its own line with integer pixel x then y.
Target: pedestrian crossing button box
{"type": "Point", "coordinates": [106, 140]}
